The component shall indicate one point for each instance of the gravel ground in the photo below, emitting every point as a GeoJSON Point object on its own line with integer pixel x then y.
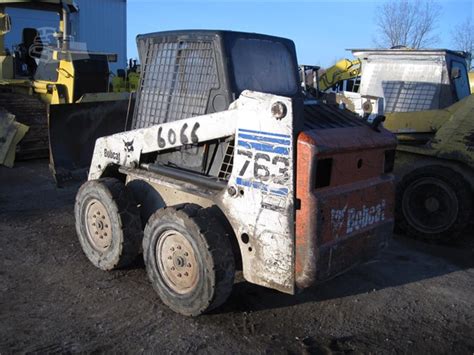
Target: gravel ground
{"type": "Point", "coordinates": [415, 298]}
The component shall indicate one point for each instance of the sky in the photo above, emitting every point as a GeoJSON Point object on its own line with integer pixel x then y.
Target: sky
{"type": "Point", "coordinates": [321, 30]}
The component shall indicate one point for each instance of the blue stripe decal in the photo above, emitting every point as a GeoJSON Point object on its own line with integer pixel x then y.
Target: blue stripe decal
{"type": "Point", "coordinates": [265, 139]}
{"type": "Point", "coordinates": [283, 191]}
{"type": "Point", "coordinates": [266, 133]}
{"type": "Point", "coordinates": [264, 147]}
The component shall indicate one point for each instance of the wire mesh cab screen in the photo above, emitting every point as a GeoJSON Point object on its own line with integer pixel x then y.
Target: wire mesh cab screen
{"type": "Point", "coordinates": [192, 73]}
{"type": "Point", "coordinates": [177, 78]}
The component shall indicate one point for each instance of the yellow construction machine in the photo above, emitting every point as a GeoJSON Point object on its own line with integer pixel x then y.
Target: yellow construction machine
{"type": "Point", "coordinates": [343, 70]}
{"type": "Point", "coordinates": [50, 83]}
{"type": "Point", "coordinates": [429, 106]}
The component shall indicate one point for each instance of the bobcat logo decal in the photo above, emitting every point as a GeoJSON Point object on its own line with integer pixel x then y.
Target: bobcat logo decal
{"type": "Point", "coordinates": [128, 146]}
{"type": "Point", "coordinates": [337, 218]}
{"type": "Point", "coordinates": [356, 219]}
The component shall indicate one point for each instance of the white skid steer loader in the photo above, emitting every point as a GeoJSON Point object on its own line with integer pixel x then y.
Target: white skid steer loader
{"type": "Point", "coordinates": [226, 167]}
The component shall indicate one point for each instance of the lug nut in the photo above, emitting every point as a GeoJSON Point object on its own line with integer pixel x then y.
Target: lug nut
{"type": "Point", "coordinates": [179, 246]}
{"type": "Point", "coordinates": [185, 254]}
{"type": "Point", "coordinates": [189, 265]}
{"type": "Point", "coordinates": [179, 275]}
{"type": "Point", "coordinates": [186, 274]}
{"type": "Point", "coordinates": [173, 268]}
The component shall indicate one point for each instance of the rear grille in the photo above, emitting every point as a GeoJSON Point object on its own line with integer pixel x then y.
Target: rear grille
{"type": "Point", "coordinates": [329, 116]}
{"type": "Point", "coordinates": [177, 78]}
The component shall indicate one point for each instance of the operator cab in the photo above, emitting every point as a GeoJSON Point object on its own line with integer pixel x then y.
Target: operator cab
{"type": "Point", "coordinates": [192, 73]}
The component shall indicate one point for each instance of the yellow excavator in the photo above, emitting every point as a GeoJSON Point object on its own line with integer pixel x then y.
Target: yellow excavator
{"type": "Point", "coordinates": [429, 106]}
{"type": "Point", "coordinates": [52, 86]}
{"type": "Point", "coordinates": [339, 84]}
{"type": "Point", "coordinates": [345, 69]}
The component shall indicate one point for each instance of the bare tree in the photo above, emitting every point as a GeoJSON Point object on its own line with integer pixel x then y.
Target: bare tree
{"type": "Point", "coordinates": [407, 23]}
{"type": "Point", "coordinates": [463, 39]}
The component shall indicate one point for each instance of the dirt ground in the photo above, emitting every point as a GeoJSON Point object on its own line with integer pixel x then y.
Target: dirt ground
{"type": "Point", "coordinates": [416, 298]}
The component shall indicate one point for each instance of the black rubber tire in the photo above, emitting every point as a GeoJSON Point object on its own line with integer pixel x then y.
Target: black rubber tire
{"type": "Point", "coordinates": [126, 236]}
{"type": "Point", "coordinates": [450, 184]}
{"type": "Point", "coordinates": [212, 250]}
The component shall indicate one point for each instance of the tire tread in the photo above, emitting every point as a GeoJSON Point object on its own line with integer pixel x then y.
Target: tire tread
{"type": "Point", "coordinates": [218, 246]}
{"type": "Point", "coordinates": [123, 203]}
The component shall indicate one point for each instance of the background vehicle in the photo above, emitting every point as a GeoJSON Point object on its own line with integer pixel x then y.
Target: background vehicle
{"type": "Point", "coordinates": [223, 175]}
{"type": "Point", "coordinates": [47, 86]}
{"type": "Point", "coordinates": [427, 104]}
{"type": "Point", "coordinates": [339, 84]}
{"type": "Point", "coordinates": [338, 75]}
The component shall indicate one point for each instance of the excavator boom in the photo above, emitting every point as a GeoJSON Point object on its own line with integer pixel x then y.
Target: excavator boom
{"type": "Point", "coordinates": [342, 70]}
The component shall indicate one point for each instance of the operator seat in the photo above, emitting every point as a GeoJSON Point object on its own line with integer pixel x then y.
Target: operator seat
{"type": "Point", "coordinates": [30, 48]}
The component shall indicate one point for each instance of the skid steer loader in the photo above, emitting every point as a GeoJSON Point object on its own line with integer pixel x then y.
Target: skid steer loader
{"type": "Point", "coordinates": [225, 167]}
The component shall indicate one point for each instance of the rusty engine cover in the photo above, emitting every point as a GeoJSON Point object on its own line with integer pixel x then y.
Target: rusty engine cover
{"type": "Point", "coordinates": [346, 197]}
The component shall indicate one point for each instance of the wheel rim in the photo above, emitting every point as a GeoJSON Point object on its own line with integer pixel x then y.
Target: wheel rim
{"type": "Point", "coordinates": [176, 262]}
{"type": "Point", "coordinates": [430, 205]}
{"type": "Point", "coordinates": [98, 226]}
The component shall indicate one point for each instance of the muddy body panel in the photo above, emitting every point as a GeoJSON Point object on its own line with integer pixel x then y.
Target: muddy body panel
{"type": "Point", "coordinates": [346, 200]}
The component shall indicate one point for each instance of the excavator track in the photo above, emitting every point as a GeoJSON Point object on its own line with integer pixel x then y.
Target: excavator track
{"type": "Point", "coordinates": [32, 112]}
